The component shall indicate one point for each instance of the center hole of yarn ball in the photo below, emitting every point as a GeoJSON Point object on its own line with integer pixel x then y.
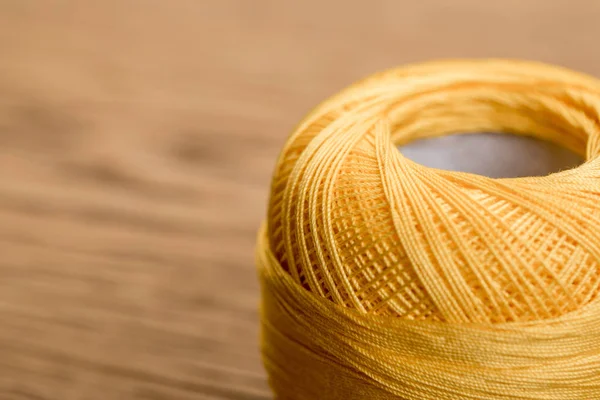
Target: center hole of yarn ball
{"type": "Point", "coordinates": [491, 154]}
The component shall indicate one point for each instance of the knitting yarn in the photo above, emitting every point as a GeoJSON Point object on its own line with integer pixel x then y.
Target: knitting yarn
{"type": "Point", "coordinates": [385, 279]}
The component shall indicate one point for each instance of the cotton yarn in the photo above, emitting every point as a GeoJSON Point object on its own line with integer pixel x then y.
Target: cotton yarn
{"type": "Point", "coordinates": [385, 279]}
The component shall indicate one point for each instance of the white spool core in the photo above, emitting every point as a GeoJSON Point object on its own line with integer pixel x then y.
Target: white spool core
{"type": "Point", "coordinates": [491, 154]}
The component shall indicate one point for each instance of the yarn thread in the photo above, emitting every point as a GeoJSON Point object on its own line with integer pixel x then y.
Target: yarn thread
{"type": "Point", "coordinates": [385, 279]}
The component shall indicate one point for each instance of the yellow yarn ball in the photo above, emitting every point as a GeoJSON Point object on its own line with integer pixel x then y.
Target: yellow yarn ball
{"type": "Point", "coordinates": [400, 281]}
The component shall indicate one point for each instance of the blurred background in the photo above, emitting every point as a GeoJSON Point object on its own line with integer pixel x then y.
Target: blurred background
{"type": "Point", "coordinates": [137, 138]}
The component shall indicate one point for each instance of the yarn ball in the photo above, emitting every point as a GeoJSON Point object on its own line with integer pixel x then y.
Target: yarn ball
{"type": "Point", "coordinates": [382, 248]}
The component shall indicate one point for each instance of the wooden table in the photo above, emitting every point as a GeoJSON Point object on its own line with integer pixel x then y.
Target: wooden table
{"type": "Point", "coordinates": [136, 143]}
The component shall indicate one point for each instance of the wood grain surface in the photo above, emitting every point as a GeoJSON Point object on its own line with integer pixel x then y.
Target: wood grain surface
{"type": "Point", "coordinates": [136, 143]}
